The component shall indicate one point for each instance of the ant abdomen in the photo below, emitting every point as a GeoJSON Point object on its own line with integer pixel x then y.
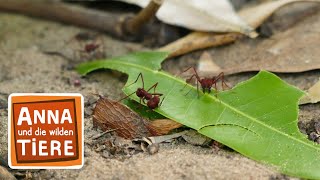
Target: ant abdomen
{"type": "Point", "coordinates": [153, 102]}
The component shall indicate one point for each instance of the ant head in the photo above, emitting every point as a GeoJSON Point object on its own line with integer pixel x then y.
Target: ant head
{"type": "Point", "coordinates": [206, 83]}
{"type": "Point", "coordinates": [140, 92]}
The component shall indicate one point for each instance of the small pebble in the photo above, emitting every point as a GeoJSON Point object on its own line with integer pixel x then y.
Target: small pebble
{"type": "Point", "coordinates": [313, 136]}
{"type": "Point", "coordinates": [153, 149]}
{"type": "Point", "coordinates": [3, 104]}
{"type": "Point", "coordinates": [77, 82]}
{"type": "Point", "coordinates": [105, 154]}
{"type": "Point", "coordinates": [317, 127]}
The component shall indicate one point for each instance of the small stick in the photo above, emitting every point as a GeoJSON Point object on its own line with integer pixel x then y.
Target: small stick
{"type": "Point", "coordinates": [65, 13]}
{"type": "Point", "coordinates": [118, 26]}
{"type": "Point", "coordinates": [134, 24]}
{"type": "Point", "coordinates": [101, 134]}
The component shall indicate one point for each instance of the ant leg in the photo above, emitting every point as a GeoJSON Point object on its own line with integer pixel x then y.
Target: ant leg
{"type": "Point", "coordinates": [184, 71]}
{"type": "Point", "coordinates": [153, 87]}
{"type": "Point", "coordinates": [140, 75]}
{"type": "Point", "coordinates": [126, 97]}
{"type": "Point", "coordinates": [196, 74]}
{"type": "Point", "coordinates": [188, 81]}
{"type": "Point", "coordinates": [221, 77]}
{"type": "Point", "coordinates": [143, 100]}
{"type": "Point", "coordinates": [161, 101]}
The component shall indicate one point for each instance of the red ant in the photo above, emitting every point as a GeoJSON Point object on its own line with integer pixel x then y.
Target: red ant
{"type": "Point", "coordinates": [153, 99]}
{"type": "Point", "coordinates": [92, 49]}
{"type": "Point", "coordinates": [206, 83]}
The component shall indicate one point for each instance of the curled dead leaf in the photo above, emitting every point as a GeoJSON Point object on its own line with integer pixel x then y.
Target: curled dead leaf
{"type": "Point", "coordinates": [164, 126]}
{"type": "Point", "coordinates": [206, 64]}
{"type": "Point", "coordinates": [282, 53]}
{"type": "Point", "coordinates": [198, 40]}
{"type": "Point", "coordinates": [313, 95]}
{"type": "Point", "coordinates": [254, 16]}
{"type": "Point", "coordinates": [204, 15]}
{"type": "Point", "coordinates": [112, 115]}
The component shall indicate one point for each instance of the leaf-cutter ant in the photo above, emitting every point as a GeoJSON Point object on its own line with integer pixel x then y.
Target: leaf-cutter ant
{"type": "Point", "coordinates": [153, 99]}
{"type": "Point", "coordinates": [206, 83]}
{"type": "Point", "coordinates": [92, 47]}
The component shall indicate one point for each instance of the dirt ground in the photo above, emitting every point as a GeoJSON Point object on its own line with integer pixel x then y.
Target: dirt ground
{"type": "Point", "coordinates": [26, 68]}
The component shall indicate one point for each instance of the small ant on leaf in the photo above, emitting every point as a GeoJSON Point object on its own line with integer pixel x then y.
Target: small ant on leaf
{"type": "Point", "coordinates": [206, 83]}
{"type": "Point", "coordinates": [153, 99]}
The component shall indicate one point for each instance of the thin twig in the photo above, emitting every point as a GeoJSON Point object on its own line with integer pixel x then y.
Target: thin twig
{"type": "Point", "coordinates": [66, 13]}
{"type": "Point", "coordinates": [134, 24]}
{"type": "Point", "coordinates": [101, 134]}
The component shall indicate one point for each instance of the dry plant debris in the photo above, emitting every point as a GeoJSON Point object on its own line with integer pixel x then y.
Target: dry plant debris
{"type": "Point", "coordinates": [112, 115]}
{"type": "Point", "coordinates": [254, 16]}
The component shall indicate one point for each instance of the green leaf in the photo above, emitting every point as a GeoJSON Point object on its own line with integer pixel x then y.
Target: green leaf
{"type": "Point", "coordinates": [143, 111]}
{"type": "Point", "coordinates": [257, 118]}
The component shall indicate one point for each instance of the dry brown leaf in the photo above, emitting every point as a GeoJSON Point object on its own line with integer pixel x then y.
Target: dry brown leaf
{"type": "Point", "coordinates": [164, 126]}
{"type": "Point", "coordinates": [110, 114]}
{"type": "Point", "coordinates": [195, 138]}
{"type": "Point", "coordinates": [313, 95]}
{"type": "Point", "coordinates": [198, 40]}
{"type": "Point", "coordinates": [292, 50]}
{"type": "Point", "coordinates": [254, 16]}
{"type": "Point", "coordinates": [206, 64]}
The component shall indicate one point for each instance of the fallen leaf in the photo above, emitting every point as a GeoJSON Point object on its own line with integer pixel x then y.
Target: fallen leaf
{"type": "Point", "coordinates": [198, 40]}
{"type": "Point", "coordinates": [204, 15]}
{"type": "Point", "coordinates": [292, 50]}
{"type": "Point", "coordinates": [195, 138]}
{"type": "Point", "coordinates": [160, 139]}
{"type": "Point", "coordinates": [206, 64]}
{"type": "Point", "coordinates": [254, 16]}
{"type": "Point", "coordinates": [164, 126]}
{"type": "Point", "coordinates": [114, 116]}
{"type": "Point", "coordinates": [110, 114]}
{"type": "Point", "coordinates": [313, 95]}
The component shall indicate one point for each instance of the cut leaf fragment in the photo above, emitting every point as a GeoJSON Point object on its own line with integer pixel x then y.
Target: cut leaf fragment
{"type": "Point", "coordinates": [257, 118]}
{"type": "Point", "coordinates": [204, 15]}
